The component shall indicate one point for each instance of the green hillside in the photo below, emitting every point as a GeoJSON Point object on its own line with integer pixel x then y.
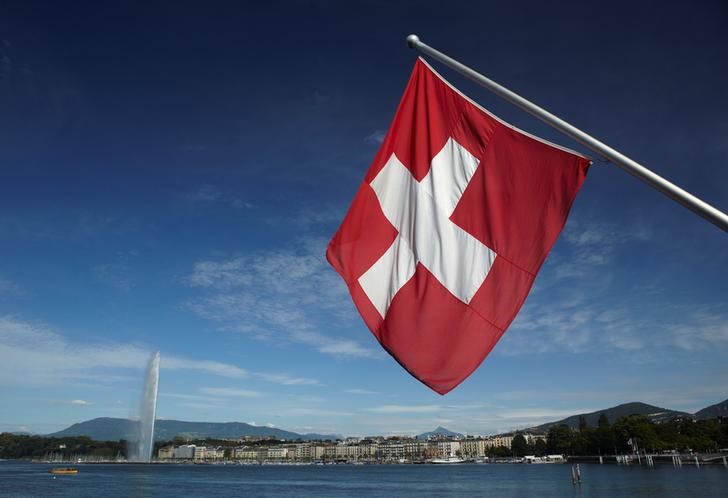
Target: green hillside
{"type": "Point", "coordinates": [654, 413]}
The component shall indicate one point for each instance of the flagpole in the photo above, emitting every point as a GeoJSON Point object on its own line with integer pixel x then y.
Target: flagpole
{"type": "Point", "coordinates": [698, 206]}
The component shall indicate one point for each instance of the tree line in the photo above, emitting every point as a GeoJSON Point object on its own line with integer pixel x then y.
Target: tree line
{"type": "Point", "coordinates": [627, 435]}
{"type": "Point", "coordinates": [38, 447]}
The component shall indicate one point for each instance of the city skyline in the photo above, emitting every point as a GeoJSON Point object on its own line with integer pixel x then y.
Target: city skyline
{"type": "Point", "coordinates": [171, 175]}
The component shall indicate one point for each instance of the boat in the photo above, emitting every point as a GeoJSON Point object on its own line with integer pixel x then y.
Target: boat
{"type": "Point", "coordinates": [67, 471]}
{"type": "Point", "coordinates": [447, 460]}
{"type": "Point", "coordinates": [544, 459]}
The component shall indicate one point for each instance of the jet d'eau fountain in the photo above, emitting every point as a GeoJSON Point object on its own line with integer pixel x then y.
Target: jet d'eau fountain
{"type": "Point", "coordinates": [141, 449]}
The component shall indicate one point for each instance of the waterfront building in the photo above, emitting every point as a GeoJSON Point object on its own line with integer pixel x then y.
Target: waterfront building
{"type": "Point", "coordinates": [448, 448]}
{"type": "Point", "coordinates": [166, 453]}
{"type": "Point", "coordinates": [347, 452]}
{"type": "Point", "coordinates": [184, 452]}
{"type": "Point", "coordinates": [473, 448]}
{"type": "Point", "coordinates": [277, 453]}
{"type": "Point", "coordinates": [200, 453]}
{"type": "Point", "coordinates": [317, 452]}
{"type": "Point", "coordinates": [302, 451]}
{"type": "Point", "coordinates": [368, 449]}
{"type": "Point", "coordinates": [496, 441]}
{"type": "Point", "coordinates": [245, 453]}
{"type": "Point", "coordinates": [217, 453]}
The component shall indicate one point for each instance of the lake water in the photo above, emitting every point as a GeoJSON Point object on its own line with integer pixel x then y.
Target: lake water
{"type": "Point", "coordinates": [280, 481]}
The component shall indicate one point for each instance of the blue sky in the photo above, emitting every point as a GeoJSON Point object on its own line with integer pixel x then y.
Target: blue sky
{"type": "Point", "coordinates": [170, 174]}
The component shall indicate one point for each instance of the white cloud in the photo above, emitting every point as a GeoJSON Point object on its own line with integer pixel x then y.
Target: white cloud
{"type": "Point", "coordinates": [317, 412]}
{"type": "Point", "coordinates": [592, 245]}
{"type": "Point", "coordinates": [281, 296]}
{"type": "Point", "coordinates": [405, 409]}
{"type": "Point", "coordinates": [360, 391]}
{"type": "Point", "coordinates": [325, 216]}
{"type": "Point", "coordinates": [230, 392]}
{"type": "Point", "coordinates": [703, 330]}
{"type": "Point", "coordinates": [267, 424]}
{"type": "Point", "coordinates": [537, 414]}
{"type": "Point", "coordinates": [645, 329]}
{"type": "Point", "coordinates": [34, 355]}
{"type": "Point", "coordinates": [287, 380]}
{"type": "Point", "coordinates": [556, 328]}
{"type": "Point", "coordinates": [79, 402]}
{"type": "Point", "coordinates": [376, 137]}
{"type": "Point", "coordinates": [205, 366]}
{"type": "Point", "coordinates": [185, 396]}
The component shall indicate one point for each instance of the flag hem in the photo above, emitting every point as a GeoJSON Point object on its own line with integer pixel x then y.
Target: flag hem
{"type": "Point", "coordinates": [483, 109]}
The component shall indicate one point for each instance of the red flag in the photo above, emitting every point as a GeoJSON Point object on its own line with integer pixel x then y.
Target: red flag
{"type": "Point", "coordinates": [446, 234]}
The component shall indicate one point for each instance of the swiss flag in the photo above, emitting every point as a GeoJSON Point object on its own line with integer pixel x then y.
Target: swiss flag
{"type": "Point", "coordinates": [446, 234]}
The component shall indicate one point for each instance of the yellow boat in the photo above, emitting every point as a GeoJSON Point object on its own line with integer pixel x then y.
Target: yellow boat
{"type": "Point", "coordinates": [64, 471]}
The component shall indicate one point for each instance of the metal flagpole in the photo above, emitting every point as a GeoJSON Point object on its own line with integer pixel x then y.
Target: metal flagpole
{"type": "Point", "coordinates": [698, 206]}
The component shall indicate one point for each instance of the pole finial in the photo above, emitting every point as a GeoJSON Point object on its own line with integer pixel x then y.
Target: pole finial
{"type": "Point", "coordinates": [412, 41]}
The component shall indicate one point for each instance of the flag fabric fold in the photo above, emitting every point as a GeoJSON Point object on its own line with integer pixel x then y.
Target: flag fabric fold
{"type": "Point", "coordinates": [449, 228]}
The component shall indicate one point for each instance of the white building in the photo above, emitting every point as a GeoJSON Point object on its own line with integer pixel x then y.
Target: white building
{"type": "Point", "coordinates": [277, 453]}
{"type": "Point", "coordinates": [448, 448]}
{"type": "Point", "coordinates": [246, 453]}
{"type": "Point", "coordinates": [184, 452]}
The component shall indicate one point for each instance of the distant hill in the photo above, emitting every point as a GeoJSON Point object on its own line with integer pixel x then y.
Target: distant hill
{"type": "Point", "coordinates": [655, 413]}
{"type": "Point", "coordinates": [713, 411]}
{"type": "Point", "coordinates": [440, 431]}
{"type": "Point", "coordinates": [113, 429]}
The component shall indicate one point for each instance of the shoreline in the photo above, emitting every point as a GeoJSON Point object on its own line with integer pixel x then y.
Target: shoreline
{"type": "Point", "coordinates": [690, 460]}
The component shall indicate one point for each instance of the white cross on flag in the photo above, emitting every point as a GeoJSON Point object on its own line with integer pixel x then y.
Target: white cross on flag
{"type": "Point", "coordinates": [446, 234]}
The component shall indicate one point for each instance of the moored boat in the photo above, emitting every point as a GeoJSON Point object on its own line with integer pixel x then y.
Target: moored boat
{"type": "Point", "coordinates": [67, 471]}
{"type": "Point", "coordinates": [447, 460]}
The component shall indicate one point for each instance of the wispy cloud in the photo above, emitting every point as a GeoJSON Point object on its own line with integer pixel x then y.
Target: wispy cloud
{"type": "Point", "coordinates": [705, 329]}
{"type": "Point", "coordinates": [186, 396]}
{"type": "Point", "coordinates": [8, 287]}
{"type": "Point", "coordinates": [306, 218]}
{"type": "Point", "coordinates": [287, 380]}
{"type": "Point", "coordinates": [592, 245]}
{"type": "Point", "coordinates": [209, 194]}
{"type": "Point", "coordinates": [360, 391]}
{"type": "Point", "coordinates": [118, 273]}
{"type": "Point", "coordinates": [282, 296]}
{"type": "Point", "coordinates": [376, 137]}
{"type": "Point", "coordinates": [204, 366]}
{"type": "Point", "coordinates": [255, 424]}
{"type": "Point", "coordinates": [230, 392]}
{"type": "Point", "coordinates": [646, 329]}
{"type": "Point", "coordinates": [405, 409]}
{"type": "Point", "coordinates": [34, 355]}
{"type": "Point", "coordinates": [79, 402]}
{"type": "Point", "coordinates": [318, 412]}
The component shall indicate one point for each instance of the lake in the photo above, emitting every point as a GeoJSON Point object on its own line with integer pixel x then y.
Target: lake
{"type": "Point", "coordinates": [503, 480]}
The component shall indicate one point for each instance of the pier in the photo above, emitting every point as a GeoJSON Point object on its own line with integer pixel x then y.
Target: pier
{"type": "Point", "coordinates": [652, 459]}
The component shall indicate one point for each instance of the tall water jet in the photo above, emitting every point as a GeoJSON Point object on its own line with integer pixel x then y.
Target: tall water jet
{"type": "Point", "coordinates": [147, 413]}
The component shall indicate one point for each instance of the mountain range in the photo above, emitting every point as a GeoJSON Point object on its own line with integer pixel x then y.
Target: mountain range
{"type": "Point", "coordinates": [713, 411]}
{"type": "Point", "coordinates": [113, 429]}
{"type": "Point", "coordinates": [654, 413]}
